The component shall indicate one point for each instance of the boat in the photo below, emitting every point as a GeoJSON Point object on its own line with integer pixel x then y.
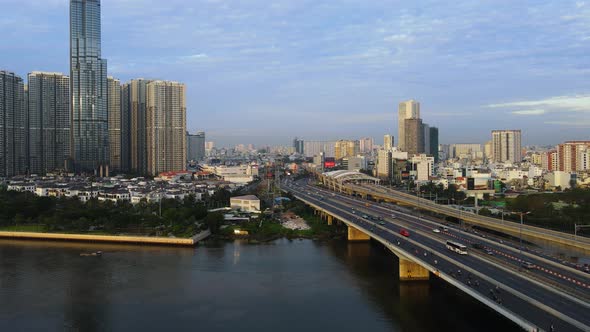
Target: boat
{"type": "Point", "coordinates": [96, 253]}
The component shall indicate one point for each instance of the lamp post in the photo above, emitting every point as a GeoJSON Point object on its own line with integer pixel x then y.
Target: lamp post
{"type": "Point", "coordinates": [521, 214]}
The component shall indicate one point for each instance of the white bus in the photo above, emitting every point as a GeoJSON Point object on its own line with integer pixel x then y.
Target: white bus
{"type": "Point", "coordinates": [457, 247]}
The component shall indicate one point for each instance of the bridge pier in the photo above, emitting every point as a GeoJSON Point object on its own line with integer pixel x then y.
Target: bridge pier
{"type": "Point", "coordinates": [356, 235]}
{"type": "Point", "coordinates": [410, 271]}
{"type": "Point", "coordinates": [330, 220]}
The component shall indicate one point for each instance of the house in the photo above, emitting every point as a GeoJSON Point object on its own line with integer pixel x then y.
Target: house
{"type": "Point", "coordinates": [248, 203]}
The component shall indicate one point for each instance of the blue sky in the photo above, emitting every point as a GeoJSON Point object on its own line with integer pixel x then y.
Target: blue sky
{"type": "Point", "coordinates": [263, 71]}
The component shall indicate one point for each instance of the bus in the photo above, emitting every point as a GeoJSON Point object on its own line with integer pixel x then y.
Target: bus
{"type": "Point", "coordinates": [457, 247]}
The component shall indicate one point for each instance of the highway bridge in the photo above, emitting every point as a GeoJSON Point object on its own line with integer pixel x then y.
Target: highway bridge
{"type": "Point", "coordinates": [354, 183]}
{"type": "Point", "coordinates": [533, 291]}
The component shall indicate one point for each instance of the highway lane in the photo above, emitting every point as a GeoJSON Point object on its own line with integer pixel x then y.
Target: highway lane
{"type": "Point", "coordinates": [561, 276]}
{"type": "Point", "coordinates": [438, 246]}
{"type": "Point", "coordinates": [425, 203]}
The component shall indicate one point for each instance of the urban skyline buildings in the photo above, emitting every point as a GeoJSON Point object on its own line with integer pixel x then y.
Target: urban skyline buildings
{"type": "Point", "coordinates": [12, 125]}
{"type": "Point", "coordinates": [506, 145]}
{"type": "Point", "coordinates": [195, 149]}
{"type": "Point", "coordinates": [409, 109]}
{"type": "Point", "coordinates": [115, 117]}
{"type": "Point", "coordinates": [48, 114]}
{"type": "Point", "coordinates": [88, 88]}
{"type": "Point", "coordinates": [165, 126]}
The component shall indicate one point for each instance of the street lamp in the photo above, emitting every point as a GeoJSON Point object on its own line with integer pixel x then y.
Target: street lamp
{"type": "Point", "coordinates": [521, 214]}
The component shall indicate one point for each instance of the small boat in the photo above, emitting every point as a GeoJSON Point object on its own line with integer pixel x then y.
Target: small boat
{"type": "Point", "coordinates": [96, 253]}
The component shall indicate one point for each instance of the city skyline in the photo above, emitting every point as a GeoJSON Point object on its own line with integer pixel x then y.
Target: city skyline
{"type": "Point", "coordinates": [321, 75]}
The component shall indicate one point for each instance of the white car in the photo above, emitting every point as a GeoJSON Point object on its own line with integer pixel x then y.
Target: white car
{"type": "Point", "coordinates": [436, 230]}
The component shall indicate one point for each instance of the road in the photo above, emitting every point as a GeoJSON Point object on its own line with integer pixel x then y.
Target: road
{"type": "Point", "coordinates": [540, 295]}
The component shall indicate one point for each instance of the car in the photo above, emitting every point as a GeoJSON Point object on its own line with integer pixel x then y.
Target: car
{"type": "Point", "coordinates": [404, 232]}
{"type": "Point", "coordinates": [365, 216]}
{"type": "Point", "coordinates": [528, 265]}
{"type": "Point", "coordinates": [353, 212]}
{"type": "Point", "coordinates": [379, 218]}
{"type": "Point", "coordinates": [382, 223]}
{"type": "Point", "coordinates": [436, 230]}
{"type": "Point", "coordinates": [489, 252]}
{"type": "Point", "coordinates": [393, 216]}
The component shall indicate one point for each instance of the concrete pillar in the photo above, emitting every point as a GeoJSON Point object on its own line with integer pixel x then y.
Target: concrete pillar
{"type": "Point", "coordinates": [409, 271]}
{"type": "Point", "coordinates": [330, 220]}
{"type": "Point", "coordinates": [357, 235]}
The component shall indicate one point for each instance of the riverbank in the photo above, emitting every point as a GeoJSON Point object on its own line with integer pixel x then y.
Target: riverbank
{"type": "Point", "coordinates": [106, 238]}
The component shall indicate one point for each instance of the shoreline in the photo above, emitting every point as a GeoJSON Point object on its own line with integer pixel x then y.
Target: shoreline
{"type": "Point", "coordinates": [139, 240]}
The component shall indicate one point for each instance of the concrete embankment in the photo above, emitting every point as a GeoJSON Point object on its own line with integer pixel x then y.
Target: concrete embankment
{"type": "Point", "coordinates": [107, 238]}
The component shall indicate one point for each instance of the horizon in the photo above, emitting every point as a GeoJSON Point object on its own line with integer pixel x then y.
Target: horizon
{"type": "Point", "coordinates": [264, 74]}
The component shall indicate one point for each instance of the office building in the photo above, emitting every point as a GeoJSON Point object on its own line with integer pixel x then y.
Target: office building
{"type": "Point", "coordinates": [414, 136]}
{"type": "Point", "coordinates": [434, 144]}
{"type": "Point", "coordinates": [407, 110]}
{"type": "Point", "coordinates": [426, 130]}
{"type": "Point", "coordinates": [88, 88]}
{"type": "Point", "coordinates": [13, 159]}
{"type": "Point", "coordinates": [195, 150]}
{"type": "Point", "coordinates": [346, 148]}
{"type": "Point", "coordinates": [166, 126]}
{"type": "Point", "coordinates": [48, 122]}
{"type": "Point", "coordinates": [115, 117]}
{"type": "Point", "coordinates": [388, 142]}
{"type": "Point", "coordinates": [506, 146]}
{"type": "Point", "coordinates": [384, 164]}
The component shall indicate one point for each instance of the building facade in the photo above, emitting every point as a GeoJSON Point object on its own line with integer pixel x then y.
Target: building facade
{"type": "Point", "coordinates": [195, 149]}
{"type": "Point", "coordinates": [298, 145]}
{"type": "Point", "coordinates": [346, 148]}
{"type": "Point", "coordinates": [135, 110]}
{"type": "Point", "coordinates": [569, 155]}
{"type": "Point", "coordinates": [366, 145]}
{"type": "Point", "coordinates": [13, 159]}
{"type": "Point", "coordinates": [407, 110]}
{"type": "Point", "coordinates": [115, 121]}
{"type": "Point", "coordinates": [506, 146]}
{"type": "Point", "coordinates": [49, 122]}
{"type": "Point", "coordinates": [434, 144]}
{"type": "Point", "coordinates": [88, 88]}
{"type": "Point", "coordinates": [166, 126]}
{"type": "Point", "coordinates": [388, 142]}
{"type": "Point", "coordinates": [414, 136]}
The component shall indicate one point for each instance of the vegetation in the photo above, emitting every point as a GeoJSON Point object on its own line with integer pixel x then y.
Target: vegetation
{"type": "Point", "coordinates": [26, 212]}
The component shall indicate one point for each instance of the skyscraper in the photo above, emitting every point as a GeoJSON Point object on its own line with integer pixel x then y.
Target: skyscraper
{"type": "Point", "coordinates": [407, 110]}
{"type": "Point", "coordinates": [366, 144]}
{"type": "Point", "coordinates": [414, 136]}
{"type": "Point", "coordinates": [346, 148]}
{"type": "Point", "coordinates": [12, 125]}
{"type": "Point", "coordinates": [506, 145]}
{"type": "Point", "coordinates": [434, 143]}
{"type": "Point", "coordinates": [114, 111]}
{"type": "Point", "coordinates": [88, 87]}
{"type": "Point", "coordinates": [48, 121]}
{"type": "Point", "coordinates": [388, 142]}
{"type": "Point", "coordinates": [166, 126]}
{"type": "Point", "coordinates": [134, 117]}
{"type": "Point", "coordinates": [426, 131]}
{"type": "Point", "coordinates": [195, 149]}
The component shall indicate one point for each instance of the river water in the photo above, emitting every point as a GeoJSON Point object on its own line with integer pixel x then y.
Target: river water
{"type": "Point", "coordinates": [228, 286]}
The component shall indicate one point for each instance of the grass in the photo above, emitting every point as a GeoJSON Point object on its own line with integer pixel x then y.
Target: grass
{"type": "Point", "coordinates": [25, 228]}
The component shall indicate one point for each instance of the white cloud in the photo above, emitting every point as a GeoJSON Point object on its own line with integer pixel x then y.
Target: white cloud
{"type": "Point", "coordinates": [529, 112]}
{"type": "Point", "coordinates": [575, 103]}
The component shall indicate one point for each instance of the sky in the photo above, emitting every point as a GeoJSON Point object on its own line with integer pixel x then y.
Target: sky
{"type": "Point", "coordinates": [264, 71]}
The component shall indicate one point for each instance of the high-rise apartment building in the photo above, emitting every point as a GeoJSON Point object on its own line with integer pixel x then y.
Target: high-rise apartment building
{"type": "Point", "coordinates": [384, 164]}
{"type": "Point", "coordinates": [388, 142]}
{"type": "Point", "coordinates": [426, 130]}
{"type": "Point", "coordinates": [13, 157]}
{"type": "Point", "coordinates": [366, 144]}
{"type": "Point", "coordinates": [407, 110]}
{"type": "Point", "coordinates": [134, 117]}
{"type": "Point", "coordinates": [115, 120]}
{"type": "Point", "coordinates": [313, 148]}
{"type": "Point", "coordinates": [414, 136]}
{"type": "Point", "coordinates": [166, 126]}
{"type": "Point", "coordinates": [49, 122]}
{"type": "Point", "coordinates": [569, 153]}
{"type": "Point", "coordinates": [195, 149]}
{"type": "Point", "coordinates": [346, 148]}
{"type": "Point", "coordinates": [88, 88]}
{"type": "Point", "coordinates": [506, 145]}
{"type": "Point", "coordinates": [434, 143]}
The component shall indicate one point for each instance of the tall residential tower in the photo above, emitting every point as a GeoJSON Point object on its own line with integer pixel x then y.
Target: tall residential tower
{"type": "Point", "coordinates": [506, 146]}
{"type": "Point", "coordinates": [12, 125]}
{"type": "Point", "coordinates": [407, 110]}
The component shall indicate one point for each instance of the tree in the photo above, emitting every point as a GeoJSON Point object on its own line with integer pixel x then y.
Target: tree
{"type": "Point", "coordinates": [214, 220]}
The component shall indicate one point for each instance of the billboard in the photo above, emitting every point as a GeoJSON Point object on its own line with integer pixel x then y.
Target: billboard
{"type": "Point", "coordinates": [329, 162]}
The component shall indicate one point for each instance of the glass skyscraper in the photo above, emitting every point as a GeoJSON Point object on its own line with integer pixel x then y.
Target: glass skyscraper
{"type": "Point", "coordinates": [12, 125]}
{"type": "Point", "coordinates": [88, 85]}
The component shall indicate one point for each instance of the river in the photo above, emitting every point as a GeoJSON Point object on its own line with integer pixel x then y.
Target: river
{"type": "Point", "coordinates": [299, 285]}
